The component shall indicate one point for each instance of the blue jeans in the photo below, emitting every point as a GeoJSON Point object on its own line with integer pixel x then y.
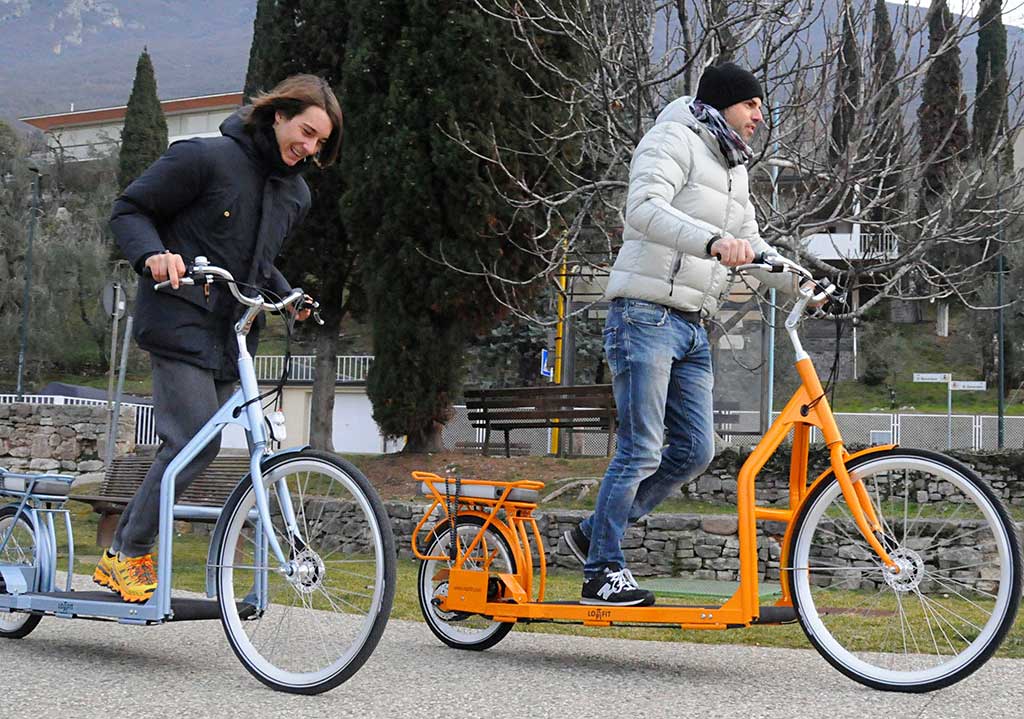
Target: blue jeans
{"type": "Point", "coordinates": [662, 380]}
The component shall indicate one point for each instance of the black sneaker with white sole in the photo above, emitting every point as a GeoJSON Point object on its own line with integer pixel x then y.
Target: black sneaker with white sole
{"type": "Point", "coordinates": [615, 587]}
{"type": "Point", "coordinates": [578, 543]}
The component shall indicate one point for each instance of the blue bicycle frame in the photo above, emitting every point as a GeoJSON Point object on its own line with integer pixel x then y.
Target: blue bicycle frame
{"type": "Point", "coordinates": [27, 587]}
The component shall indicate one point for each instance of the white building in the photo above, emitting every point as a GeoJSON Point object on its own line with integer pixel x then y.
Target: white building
{"type": "Point", "coordinates": [88, 134]}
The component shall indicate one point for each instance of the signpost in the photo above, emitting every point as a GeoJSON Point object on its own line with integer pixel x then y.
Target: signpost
{"type": "Point", "coordinates": [938, 377]}
{"type": "Point", "coordinates": [546, 368]}
{"type": "Point", "coordinates": [969, 386]}
{"type": "Point", "coordinates": [952, 385]}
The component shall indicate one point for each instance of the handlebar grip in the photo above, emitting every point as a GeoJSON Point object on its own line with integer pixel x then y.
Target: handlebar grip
{"type": "Point", "coordinates": [167, 283]}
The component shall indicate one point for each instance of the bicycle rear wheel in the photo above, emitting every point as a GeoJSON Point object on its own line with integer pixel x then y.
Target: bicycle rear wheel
{"type": "Point", "coordinates": [20, 549]}
{"type": "Point", "coordinates": [458, 629]}
{"type": "Point", "coordinates": [308, 632]}
{"type": "Point", "coordinates": [952, 602]}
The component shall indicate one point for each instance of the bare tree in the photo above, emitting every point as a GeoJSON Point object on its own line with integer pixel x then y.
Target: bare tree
{"type": "Point", "coordinates": [637, 55]}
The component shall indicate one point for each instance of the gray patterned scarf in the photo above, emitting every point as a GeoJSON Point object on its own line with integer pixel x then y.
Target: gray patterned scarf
{"type": "Point", "coordinates": [734, 149]}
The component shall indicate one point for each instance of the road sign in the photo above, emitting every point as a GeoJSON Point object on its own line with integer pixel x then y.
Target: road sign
{"type": "Point", "coordinates": [113, 300]}
{"type": "Point", "coordinates": [969, 386]}
{"type": "Point", "coordinates": [932, 377]}
{"type": "Point", "coordinates": [546, 368]}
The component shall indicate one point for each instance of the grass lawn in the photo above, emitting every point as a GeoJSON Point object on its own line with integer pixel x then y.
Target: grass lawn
{"type": "Point", "coordinates": [190, 572]}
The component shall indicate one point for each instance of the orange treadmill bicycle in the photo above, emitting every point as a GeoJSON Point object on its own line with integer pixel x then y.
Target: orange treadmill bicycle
{"type": "Point", "coordinates": [902, 567]}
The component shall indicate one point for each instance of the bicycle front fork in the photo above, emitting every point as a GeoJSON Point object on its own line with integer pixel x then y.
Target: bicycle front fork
{"type": "Point", "coordinates": [295, 538]}
{"type": "Point", "coordinates": [861, 507]}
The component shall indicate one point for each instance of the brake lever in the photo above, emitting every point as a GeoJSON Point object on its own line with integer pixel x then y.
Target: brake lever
{"type": "Point", "coordinates": [313, 306]}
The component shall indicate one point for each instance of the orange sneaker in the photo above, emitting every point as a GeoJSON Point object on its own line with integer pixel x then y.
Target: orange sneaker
{"type": "Point", "coordinates": [102, 575]}
{"type": "Point", "coordinates": [135, 577]}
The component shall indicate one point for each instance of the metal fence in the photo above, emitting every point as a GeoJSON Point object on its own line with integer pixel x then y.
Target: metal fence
{"type": "Point", "coordinates": [348, 368]}
{"type": "Point", "coordinates": [926, 431]}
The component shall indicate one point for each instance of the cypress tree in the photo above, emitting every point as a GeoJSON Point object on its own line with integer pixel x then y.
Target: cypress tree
{"type": "Point", "coordinates": [144, 137]}
{"type": "Point", "coordinates": [415, 194]}
{"type": "Point", "coordinates": [273, 32]}
{"type": "Point", "coordinates": [309, 36]}
{"type": "Point", "coordinates": [990, 110]}
{"type": "Point", "coordinates": [886, 137]}
{"type": "Point", "coordinates": [941, 120]}
{"type": "Point", "coordinates": [846, 104]}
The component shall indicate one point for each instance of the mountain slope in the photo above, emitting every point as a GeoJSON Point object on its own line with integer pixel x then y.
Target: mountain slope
{"type": "Point", "coordinates": [85, 53]}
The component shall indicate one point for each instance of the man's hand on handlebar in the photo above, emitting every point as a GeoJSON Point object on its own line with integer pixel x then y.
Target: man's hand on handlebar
{"type": "Point", "coordinates": [166, 266]}
{"type": "Point", "coordinates": [303, 309]}
{"type": "Point", "coordinates": [732, 251]}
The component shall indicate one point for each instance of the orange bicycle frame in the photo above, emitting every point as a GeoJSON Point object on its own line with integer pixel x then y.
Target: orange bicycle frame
{"type": "Point", "coordinates": [519, 600]}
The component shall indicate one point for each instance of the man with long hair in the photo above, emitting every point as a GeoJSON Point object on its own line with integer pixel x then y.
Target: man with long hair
{"type": "Point", "coordinates": [233, 199]}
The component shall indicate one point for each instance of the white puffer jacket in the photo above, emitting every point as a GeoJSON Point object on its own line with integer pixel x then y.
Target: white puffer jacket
{"type": "Point", "coordinates": [681, 193]}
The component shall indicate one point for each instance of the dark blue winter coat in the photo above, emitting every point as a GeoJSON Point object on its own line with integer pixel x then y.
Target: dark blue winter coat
{"type": "Point", "coordinates": [231, 199]}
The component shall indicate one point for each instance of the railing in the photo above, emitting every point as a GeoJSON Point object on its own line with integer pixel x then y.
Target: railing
{"type": "Point", "coordinates": [926, 431]}
{"type": "Point", "coordinates": [348, 368]}
{"type": "Point", "coordinates": [853, 245]}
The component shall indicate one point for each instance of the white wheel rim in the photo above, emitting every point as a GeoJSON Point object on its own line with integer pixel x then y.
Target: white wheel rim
{"type": "Point", "coordinates": [242, 639]}
{"type": "Point", "coordinates": [805, 598]}
{"type": "Point", "coordinates": [16, 553]}
{"type": "Point", "coordinates": [457, 631]}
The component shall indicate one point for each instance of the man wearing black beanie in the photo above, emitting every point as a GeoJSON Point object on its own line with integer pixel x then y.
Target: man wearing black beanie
{"type": "Point", "coordinates": [689, 218]}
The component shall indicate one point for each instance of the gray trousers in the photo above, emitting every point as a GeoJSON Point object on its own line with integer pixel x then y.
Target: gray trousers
{"type": "Point", "coordinates": [184, 398]}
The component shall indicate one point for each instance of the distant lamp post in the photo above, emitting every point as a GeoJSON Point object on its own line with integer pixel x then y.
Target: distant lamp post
{"type": "Point", "coordinates": [33, 215]}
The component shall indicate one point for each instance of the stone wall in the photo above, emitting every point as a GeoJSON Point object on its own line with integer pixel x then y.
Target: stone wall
{"type": "Point", "coordinates": [70, 439]}
{"type": "Point", "coordinates": [1002, 471]}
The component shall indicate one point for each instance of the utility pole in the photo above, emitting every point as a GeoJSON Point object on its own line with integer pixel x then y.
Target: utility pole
{"type": "Point", "coordinates": [23, 344]}
{"type": "Point", "coordinates": [1000, 349]}
{"type": "Point", "coordinates": [1000, 327]}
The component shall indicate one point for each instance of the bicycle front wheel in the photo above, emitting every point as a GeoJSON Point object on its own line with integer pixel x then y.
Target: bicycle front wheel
{"type": "Point", "coordinates": [306, 629]}
{"type": "Point", "coordinates": [954, 598]}
{"type": "Point", "coordinates": [20, 549]}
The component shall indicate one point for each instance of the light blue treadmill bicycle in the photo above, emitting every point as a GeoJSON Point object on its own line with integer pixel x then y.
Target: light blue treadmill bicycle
{"type": "Point", "coordinates": [301, 563]}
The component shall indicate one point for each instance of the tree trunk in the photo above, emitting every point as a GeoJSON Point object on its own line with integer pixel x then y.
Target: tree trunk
{"type": "Point", "coordinates": [427, 439]}
{"type": "Point", "coordinates": [321, 410]}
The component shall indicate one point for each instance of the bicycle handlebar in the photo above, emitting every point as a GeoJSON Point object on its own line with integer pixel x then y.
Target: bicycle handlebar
{"type": "Point", "coordinates": [811, 290]}
{"type": "Point", "coordinates": [202, 270]}
{"type": "Point", "coordinates": [815, 290]}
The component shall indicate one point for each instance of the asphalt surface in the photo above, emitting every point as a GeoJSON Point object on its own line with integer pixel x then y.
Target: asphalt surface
{"type": "Point", "coordinates": [77, 668]}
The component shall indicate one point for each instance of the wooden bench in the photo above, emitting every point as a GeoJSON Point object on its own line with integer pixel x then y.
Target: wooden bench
{"type": "Point", "coordinates": [124, 476]}
{"type": "Point", "coordinates": [587, 408]}
{"type": "Point", "coordinates": [725, 413]}
{"type": "Point", "coordinates": [518, 449]}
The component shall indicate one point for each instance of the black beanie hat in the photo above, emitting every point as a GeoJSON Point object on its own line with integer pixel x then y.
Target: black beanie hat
{"type": "Point", "coordinates": [726, 84]}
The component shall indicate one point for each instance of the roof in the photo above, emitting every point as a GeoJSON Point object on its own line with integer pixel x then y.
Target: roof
{"type": "Point", "coordinates": [113, 114]}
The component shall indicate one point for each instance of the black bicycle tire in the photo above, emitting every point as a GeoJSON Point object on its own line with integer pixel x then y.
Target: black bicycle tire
{"type": "Point", "coordinates": [1015, 557]}
{"type": "Point", "coordinates": [33, 619]}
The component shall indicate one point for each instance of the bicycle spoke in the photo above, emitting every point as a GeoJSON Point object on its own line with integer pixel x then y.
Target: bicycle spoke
{"type": "Point", "coordinates": [942, 617]}
{"type": "Point", "coordinates": [931, 622]}
{"type": "Point", "coordinates": [949, 582]}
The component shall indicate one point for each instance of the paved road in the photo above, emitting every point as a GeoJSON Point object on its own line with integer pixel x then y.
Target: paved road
{"type": "Point", "coordinates": [88, 669]}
